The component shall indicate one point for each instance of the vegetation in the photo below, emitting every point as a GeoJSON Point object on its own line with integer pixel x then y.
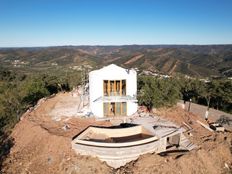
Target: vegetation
{"type": "Point", "coordinates": [193, 60]}
{"type": "Point", "coordinates": [19, 91]}
{"type": "Point", "coordinates": [157, 92]}
{"type": "Point", "coordinates": [214, 93]}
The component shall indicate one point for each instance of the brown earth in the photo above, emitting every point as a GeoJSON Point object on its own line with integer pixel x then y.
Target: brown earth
{"type": "Point", "coordinates": [42, 145]}
{"type": "Point", "coordinates": [213, 154]}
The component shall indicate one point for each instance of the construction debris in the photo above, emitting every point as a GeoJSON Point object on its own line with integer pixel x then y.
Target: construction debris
{"type": "Point", "coordinates": [217, 127]}
{"type": "Point", "coordinates": [188, 126]}
{"type": "Point", "coordinates": [205, 126]}
{"type": "Point", "coordinates": [66, 127]}
{"type": "Point", "coordinates": [224, 120]}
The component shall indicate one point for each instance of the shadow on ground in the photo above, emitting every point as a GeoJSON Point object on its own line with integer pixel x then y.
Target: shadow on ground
{"type": "Point", "coordinates": [6, 143]}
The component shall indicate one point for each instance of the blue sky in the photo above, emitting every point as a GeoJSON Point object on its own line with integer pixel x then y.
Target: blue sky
{"type": "Point", "coordinates": [114, 22]}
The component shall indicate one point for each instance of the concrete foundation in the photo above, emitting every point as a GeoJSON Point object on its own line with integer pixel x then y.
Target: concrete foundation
{"type": "Point", "coordinates": [93, 141]}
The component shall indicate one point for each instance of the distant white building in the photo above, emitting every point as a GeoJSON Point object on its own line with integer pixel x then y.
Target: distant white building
{"type": "Point", "coordinates": [113, 91]}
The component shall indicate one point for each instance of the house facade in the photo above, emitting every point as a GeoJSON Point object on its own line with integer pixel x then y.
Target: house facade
{"type": "Point", "coordinates": [113, 91]}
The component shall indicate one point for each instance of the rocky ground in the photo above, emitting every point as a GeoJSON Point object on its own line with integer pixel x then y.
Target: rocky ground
{"type": "Point", "coordinates": [42, 145]}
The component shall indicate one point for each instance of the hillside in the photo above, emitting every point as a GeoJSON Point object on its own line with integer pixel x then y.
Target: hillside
{"type": "Point", "coordinates": [193, 60]}
{"type": "Point", "coordinates": [41, 143]}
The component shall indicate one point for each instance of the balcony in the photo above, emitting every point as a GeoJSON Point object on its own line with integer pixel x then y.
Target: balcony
{"type": "Point", "coordinates": [116, 98]}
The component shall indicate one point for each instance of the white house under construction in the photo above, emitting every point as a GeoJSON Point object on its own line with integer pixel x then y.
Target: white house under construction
{"type": "Point", "coordinates": [113, 91]}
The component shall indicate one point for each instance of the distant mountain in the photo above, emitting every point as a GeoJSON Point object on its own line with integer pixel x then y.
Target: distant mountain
{"type": "Point", "coordinates": [193, 60]}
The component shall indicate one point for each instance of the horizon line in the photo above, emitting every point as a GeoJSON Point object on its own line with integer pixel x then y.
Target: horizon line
{"type": "Point", "coordinates": [116, 45]}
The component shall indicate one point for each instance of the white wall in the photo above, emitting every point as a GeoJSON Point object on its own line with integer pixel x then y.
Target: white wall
{"type": "Point", "coordinates": [95, 91]}
{"type": "Point", "coordinates": [111, 72]}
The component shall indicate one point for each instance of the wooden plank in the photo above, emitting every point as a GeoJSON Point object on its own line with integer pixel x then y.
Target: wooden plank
{"type": "Point", "coordinates": [120, 87]}
{"type": "Point", "coordinates": [189, 127]}
{"type": "Point", "coordinates": [108, 88]}
{"type": "Point", "coordinates": [205, 126]}
{"type": "Point", "coordinates": [104, 88]}
{"type": "Point", "coordinates": [117, 87]}
{"type": "Point", "coordinates": [114, 87]}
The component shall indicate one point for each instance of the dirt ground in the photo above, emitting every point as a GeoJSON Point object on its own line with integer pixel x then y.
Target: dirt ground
{"type": "Point", "coordinates": [42, 145]}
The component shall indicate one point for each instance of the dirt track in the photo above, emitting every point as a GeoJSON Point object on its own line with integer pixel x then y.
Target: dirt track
{"type": "Point", "coordinates": [43, 146]}
{"type": "Point", "coordinates": [200, 110]}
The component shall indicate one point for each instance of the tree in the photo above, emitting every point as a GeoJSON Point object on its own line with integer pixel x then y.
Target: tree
{"type": "Point", "coordinates": [147, 92]}
{"type": "Point", "coordinates": [33, 90]}
{"type": "Point", "coordinates": [226, 95]}
{"type": "Point", "coordinates": [154, 92]}
{"type": "Point", "coordinates": [203, 90]}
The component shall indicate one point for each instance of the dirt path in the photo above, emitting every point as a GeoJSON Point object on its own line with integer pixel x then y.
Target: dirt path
{"type": "Point", "coordinates": [134, 59]}
{"type": "Point", "coordinates": [174, 67]}
{"type": "Point", "coordinates": [200, 110]}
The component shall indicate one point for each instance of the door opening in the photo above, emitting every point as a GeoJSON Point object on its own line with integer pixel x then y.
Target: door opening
{"type": "Point", "coordinates": [115, 109]}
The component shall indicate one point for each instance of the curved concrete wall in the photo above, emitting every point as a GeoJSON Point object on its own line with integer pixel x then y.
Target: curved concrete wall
{"type": "Point", "coordinates": [117, 154]}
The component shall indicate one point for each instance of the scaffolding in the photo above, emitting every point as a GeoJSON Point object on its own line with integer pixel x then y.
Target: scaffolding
{"type": "Point", "coordinates": [85, 79]}
{"type": "Point", "coordinates": [84, 88]}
